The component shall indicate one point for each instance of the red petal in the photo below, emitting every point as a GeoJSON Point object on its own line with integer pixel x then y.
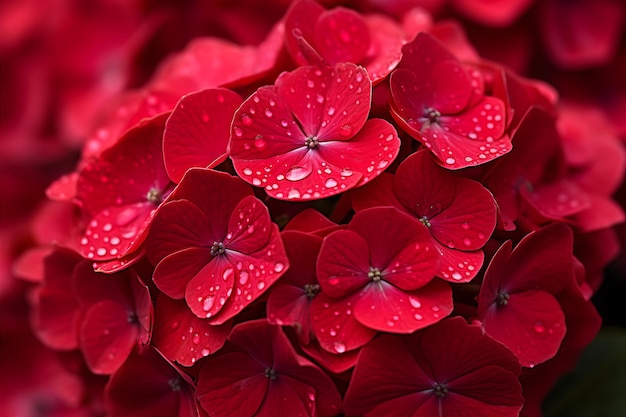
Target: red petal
{"type": "Point", "coordinates": [183, 337]}
{"type": "Point", "coordinates": [116, 231]}
{"type": "Point", "coordinates": [343, 263]}
{"type": "Point", "coordinates": [458, 266]}
{"type": "Point", "coordinates": [381, 306]}
{"type": "Point", "coordinates": [290, 396]}
{"type": "Point", "coordinates": [386, 44]}
{"type": "Point", "coordinates": [207, 292]}
{"type": "Point", "coordinates": [472, 393]}
{"type": "Point", "coordinates": [249, 227]}
{"type": "Point", "coordinates": [492, 13]}
{"type": "Point", "coordinates": [531, 324]}
{"type": "Point", "coordinates": [341, 35]}
{"type": "Point", "coordinates": [300, 19]}
{"type": "Point", "coordinates": [64, 188]}
{"type": "Point", "coordinates": [556, 200]}
{"type": "Point", "coordinates": [107, 336]}
{"type": "Point", "coordinates": [233, 384]}
{"type": "Point", "coordinates": [195, 138]}
{"type": "Point", "coordinates": [467, 224]}
{"type": "Point", "coordinates": [310, 220]}
{"type": "Point", "coordinates": [174, 272]}
{"type": "Point", "coordinates": [334, 362]}
{"type": "Point", "coordinates": [335, 326]}
{"type": "Point", "coordinates": [379, 192]}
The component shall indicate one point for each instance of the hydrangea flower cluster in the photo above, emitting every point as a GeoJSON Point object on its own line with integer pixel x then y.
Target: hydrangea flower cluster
{"type": "Point", "coordinates": [359, 216]}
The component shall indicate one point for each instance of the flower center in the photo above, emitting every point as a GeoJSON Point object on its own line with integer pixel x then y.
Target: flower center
{"type": "Point", "coordinates": [218, 248]}
{"type": "Point", "coordinates": [502, 299]}
{"type": "Point", "coordinates": [175, 384]}
{"type": "Point", "coordinates": [271, 374]}
{"type": "Point", "coordinates": [311, 290]}
{"type": "Point", "coordinates": [432, 115]}
{"type": "Point", "coordinates": [441, 390]}
{"type": "Point", "coordinates": [154, 196]}
{"type": "Point", "coordinates": [311, 142]}
{"type": "Point", "coordinates": [425, 221]}
{"type": "Point", "coordinates": [375, 274]}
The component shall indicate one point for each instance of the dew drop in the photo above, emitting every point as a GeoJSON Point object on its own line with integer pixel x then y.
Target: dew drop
{"type": "Point", "coordinates": [279, 267]}
{"type": "Point", "coordinates": [539, 327]}
{"type": "Point", "coordinates": [330, 183]}
{"type": "Point", "coordinates": [175, 325]}
{"type": "Point", "coordinates": [331, 110]}
{"type": "Point", "coordinates": [208, 303]}
{"type": "Point", "coordinates": [237, 132]}
{"type": "Point", "coordinates": [246, 120]}
{"type": "Point", "coordinates": [418, 316]}
{"type": "Point", "coordinates": [358, 77]}
{"type": "Point", "coordinates": [243, 277]}
{"type": "Point", "coordinates": [345, 172]}
{"type": "Point", "coordinates": [260, 285]}
{"type": "Point", "coordinates": [205, 352]}
{"type": "Point", "coordinates": [268, 113]}
{"type": "Point", "coordinates": [195, 338]}
{"type": "Point", "coordinates": [228, 272]}
{"type": "Point", "coordinates": [346, 130]}
{"type": "Point", "coordinates": [450, 161]}
{"type": "Point", "coordinates": [415, 302]}
{"type": "Point", "coordinates": [247, 171]}
{"type": "Point", "coordinates": [259, 142]}
{"type": "Point", "coordinates": [467, 241]}
{"type": "Point", "coordinates": [297, 173]}
{"type": "Point", "coordinates": [332, 332]}
{"type": "Point", "coordinates": [340, 347]}
{"type": "Point", "coordinates": [457, 276]}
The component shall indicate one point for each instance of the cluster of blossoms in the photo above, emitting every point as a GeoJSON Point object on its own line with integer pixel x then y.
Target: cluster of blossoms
{"type": "Point", "coordinates": [360, 216]}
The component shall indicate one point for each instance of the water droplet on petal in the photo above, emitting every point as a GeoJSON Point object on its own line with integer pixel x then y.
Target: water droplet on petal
{"type": "Point", "coordinates": [345, 172]}
{"type": "Point", "coordinates": [278, 267]}
{"type": "Point", "coordinates": [539, 327]}
{"type": "Point", "coordinates": [259, 142]}
{"type": "Point", "coordinates": [457, 276]}
{"type": "Point", "coordinates": [340, 347]}
{"type": "Point", "coordinates": [330, 183]}
{"type": "Point", "coordinates": [450, 161]}
{"type": "Point", "coordinates": [246, 120]}
{"type": "Point", "coordinates": [247, 171]}
{"type": "Point", "coordinates": [331, 110]}
{"type": "Point", "coordinates": [243, 277]}
{"type": "Point", "coordinates": [228, 272]}
{"type": "Point", "coordinates": [196, 338]}
{"type": "Point", "coordinates": [260, 285]}
{"type": "Point", "coordinates": [174, 325]}
{"type": "Point", "coordinates": [346, 130]}
{"type": "Point", "coordinates": [415, 302]}
{"type": "Point", "coordinates": [418, 316]}
{"type": "Point", "coordinates": [297, 173]}
{"type": "Point", "coordinates": [208, 303]}
{"type": "Point", "coordinates": [268, 113]}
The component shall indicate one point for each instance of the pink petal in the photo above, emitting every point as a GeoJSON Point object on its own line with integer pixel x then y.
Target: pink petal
{"type": "Point", "coordinates": [341, 35]}
{"type": "Point", "coordinates": [106, 336]}
{"type": "Point", "coordinates": [335, 326]}
{"type": "Point", "coordinates": [381, 306]}
{"type": "Point", "coordinates": [174, 272]}
{"type": "Point", "coordinates": [531, 324]}
{"type": "Point", "coordinates": [195, 138]}
{"type": "Point", "coordinates": [183, 337]}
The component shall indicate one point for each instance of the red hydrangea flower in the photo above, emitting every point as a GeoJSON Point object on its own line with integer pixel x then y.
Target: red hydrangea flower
{"type": "Point", "coordinates": [197, 132]}
{"type": "Point", "coordinates": [215, 245]}
{"type": "Point", "coordinates": [183, 337]}
{"type": "Point", "coordinates": [442, 104]}
{"type": "Point", "coordinates": [517, 304]}
{"type": "Point", "coordinates": [314, 35]}
{"type": "Point", "coordinates": [459, 213]}
{"type": "Point", "coordinates": [293, 138]}
{"type": "Point", "coordinates": [120, 191]}
{"type": "Point", "coordinates": [146, 385]}
{"type": "Point", "coordinates": [531, 180]}
{"type": "Point", "coordinates": [116, 315]}
{"type": "Point", "coordinates": [448, 370]}
{"type": "Point", "coordinates": [377, 275]}
{"type": "Point", "coordinates": [263, 376]}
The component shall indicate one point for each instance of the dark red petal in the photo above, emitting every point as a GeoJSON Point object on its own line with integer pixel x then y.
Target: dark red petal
{"type": "Point", "coordinates": [334, 324]}
{"type": "Point", "coordinates": [56, 318]}
{"type": "Point", "coordinates": [473, 392]}
{"type": "Point", "coordinates": [147, 385]}
{"type": "Point", "coordinates": [542, 260]}
{"type": "Point", "coordinates": [112, 266]}
{"type": "Point", "coordinates": [531, 324]}
{"type": "Point", "coordinates": [107, 336]}
{"type": "Point", "coordinates": [341, 35]}
{"type": "Point", "coordinates": [233, 384]}
{"type": "Point", "coordinates": [179, 225]}
{"type": "Point", "coordinates": [116, 231]}
{"type": "Point", "coordinates": [423, 187]}
{"type": "Point", "coordinates": [556, 200]}
{"type": "Point", "coordinates": [420, 54]}
{"type": "Point", "coordinates": [467, 349]}
{"type": "Point", "coordinates": [310, 220]}
{"type": "Point", "coordinates": [381, 306]}
{"type": "Point", "coordinates": [379, 192]}
{"type": "Point", "coordinates": [458, 266]}
{"type": "Point", "coordinates": [603, 213]}
{"type": "Point", "coordinates": [292, 397]}
{"type": "Point", "coordinates": [288, 305]}
{"type": "Point", "coordinates": [333, 362]}
{"type": "Point", "coordinates": [386, 374]}
{"type": "Point", "coordinates": [343, 263]}
{"type": "Point", "coordinates": [181, 336]}
{"type": "Point", "coordinates": [174, 272]}
{"type": "Point", "coordinates": [195, 138]}
{"type": "Point", "coordinates": [467, 223]}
